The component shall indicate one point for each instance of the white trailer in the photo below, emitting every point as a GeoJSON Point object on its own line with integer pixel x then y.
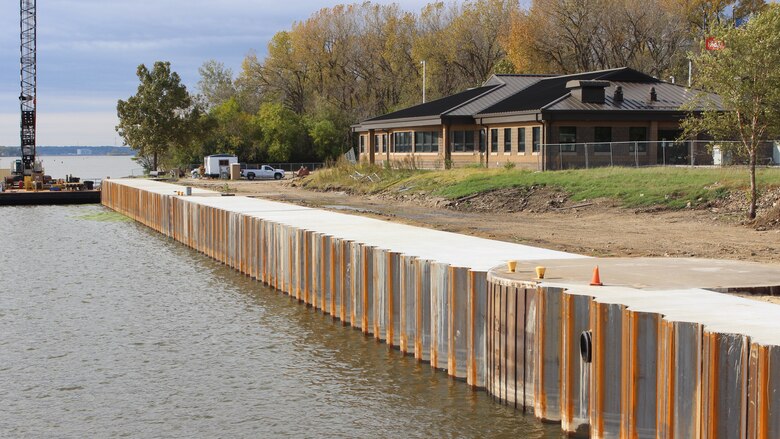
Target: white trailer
{"type": "Point", "coordinates": [218, 165]}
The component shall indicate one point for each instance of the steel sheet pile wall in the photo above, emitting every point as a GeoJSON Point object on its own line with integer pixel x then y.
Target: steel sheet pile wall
{"type": "Point", "coordinates": [655, 370]}
{"type": "Point", "coordinates": [410, 287]}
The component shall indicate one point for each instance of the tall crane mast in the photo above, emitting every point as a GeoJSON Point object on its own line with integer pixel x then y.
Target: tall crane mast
{"type": "Point", "coordinates": [29, 78]}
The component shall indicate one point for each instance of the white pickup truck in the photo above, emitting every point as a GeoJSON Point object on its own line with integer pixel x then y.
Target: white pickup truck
{"type": "Point", "coordinates": [264, 171]}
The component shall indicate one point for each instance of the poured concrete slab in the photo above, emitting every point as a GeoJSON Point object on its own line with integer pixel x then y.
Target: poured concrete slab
{"type": "Point", "coordinates": [679, 289]}
{"type": "Point", "coordinates": [655, 273]}
{"type": "Point", "coordinates": [457, 250]}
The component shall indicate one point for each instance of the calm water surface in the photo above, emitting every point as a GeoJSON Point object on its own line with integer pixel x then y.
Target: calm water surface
{"type": "Point", "coordinates": [109, 329]}
{"type": "Point", "coordinates": [85, 167]}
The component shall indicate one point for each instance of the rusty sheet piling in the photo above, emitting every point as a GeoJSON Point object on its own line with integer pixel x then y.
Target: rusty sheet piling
{"type": "Point", "coordinates": [666, 363]}
{"type": "Point", "coordinates": [422, 291]}
{"type": "Point", "coordinates": [642, 357]}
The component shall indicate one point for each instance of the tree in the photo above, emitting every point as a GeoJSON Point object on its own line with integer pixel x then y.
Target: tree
{"type": "Point", "coordinates": [746, 77]}
{"type": "Point", "coordinates": [475, 36]}
{"type": "Point", "coordinates": [160, 116]}
{"type": "Point", "coordinates": [327, 138]}
{"type": "Point", "coordinates": [232, 131]}
{"type": "Point", "coordinates": [575, 36]}
{"type": "Point", "coordinates": [216, 83]}
{"type": "Point", "coordinates": [282, 132]}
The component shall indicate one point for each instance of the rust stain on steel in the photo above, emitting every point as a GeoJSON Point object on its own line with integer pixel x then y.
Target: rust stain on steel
{"type": "Point", "coordinates": [366, 280]}
{"type": "Point", "coordinates": [377, 302]}
{"type": "Point", "coordinates": [759, 388]}
{"type": "Point", "coordinates": [627, 374]}
{"type": "Point", "coordinates": [709, 420]}
{"type": "Point", "coordinates": [332, 248]}
{"type": "Point", "coordinates": [568, 361]}
{"type": "Point", "coordinates": [306, 267]}
{"type": "Point", "coordinates": [451, 359]}
{"type": "Point", "coordinates": [540, 407]}
{"type": "Point", "coordinates": [403, 341]}
{"type": "Point", "coordinates": [665, 380]}
{"type": "Point", "coordinates": [598, 314]}
{"type": "Point", "coordinates": [471, 369]}
{"type": "Point", "coordinates": [418, 316]}
{"type": "Point", "coordinates": [390, 311]}
{"type": "Point", "coordinates": [290, 265]}
{"type": "Point", "coordinates": [343, 275]}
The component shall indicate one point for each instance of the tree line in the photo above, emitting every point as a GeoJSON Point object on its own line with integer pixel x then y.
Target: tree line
{"type": "Point", "coordinates": [350, 62]}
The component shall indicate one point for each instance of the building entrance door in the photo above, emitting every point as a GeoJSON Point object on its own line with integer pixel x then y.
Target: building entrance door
{"type": "Point", "coordinates": [670, 151]}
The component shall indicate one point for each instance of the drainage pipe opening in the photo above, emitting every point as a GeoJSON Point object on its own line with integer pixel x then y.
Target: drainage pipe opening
{"type": "Point", "coordinates": [586, 346]}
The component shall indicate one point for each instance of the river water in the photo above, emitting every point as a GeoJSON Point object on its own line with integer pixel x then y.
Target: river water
{"type": "Point", "coordinates": [84, 166]}
{"type": "Point", "coordinates": [109, 329]}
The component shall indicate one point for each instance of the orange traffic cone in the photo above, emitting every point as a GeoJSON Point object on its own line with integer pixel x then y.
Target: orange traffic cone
{"type": "Point", "coordinates": [596, 279]}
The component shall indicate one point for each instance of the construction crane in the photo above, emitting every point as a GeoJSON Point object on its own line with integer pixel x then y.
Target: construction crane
{"type": "Point", "coordinates": [27, 99]}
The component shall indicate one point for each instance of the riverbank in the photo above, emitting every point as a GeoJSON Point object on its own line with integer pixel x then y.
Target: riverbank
{"type": "Point", "coordinates": [548, 217]}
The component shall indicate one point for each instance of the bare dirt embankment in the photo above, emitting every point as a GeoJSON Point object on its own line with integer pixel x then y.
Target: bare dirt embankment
{"type": "Point", "coordinates": [545, 217]}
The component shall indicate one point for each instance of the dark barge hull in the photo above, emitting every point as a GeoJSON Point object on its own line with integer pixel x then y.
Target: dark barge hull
{"type": "Point", "coordinates": [22, 198]}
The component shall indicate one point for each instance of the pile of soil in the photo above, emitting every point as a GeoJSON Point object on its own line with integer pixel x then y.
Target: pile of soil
{"type": "Point", "coordinates": [736, 205]}
{"type": "Point", "coordinates": [533, 199]}
{"type": "Point", "coordinates": [769, 220]}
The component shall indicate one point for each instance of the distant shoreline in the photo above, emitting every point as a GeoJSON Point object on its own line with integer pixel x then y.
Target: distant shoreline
{"type": "Point", "coordinates": [70, 151]}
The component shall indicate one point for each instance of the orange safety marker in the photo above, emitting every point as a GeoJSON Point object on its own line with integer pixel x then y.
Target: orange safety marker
{"type": "Point", "coordinates": [596, 279]}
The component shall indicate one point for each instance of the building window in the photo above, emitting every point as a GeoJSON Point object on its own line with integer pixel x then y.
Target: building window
{"type": "Point", "coordinates": [637, 135]}
{"type": "Point", "coordinates": [463, 141]}
{"type": "Point", "coordinates": [567, 137]}
{"type": "Point", "coordinates": [402, 142]}
{"type": "Point", "coordinates": [385, 145]}
{"type": "Point", "coordinates": [426, 141]}
{"type": "Point", "coordinates": [536, 134]}
{"type": "Point", "coordinates": [470, 144]}
{"type": "Point", "coordinates": [602, 136]}
{"type": "Point", "coordinates": [494, 140]}
{"type": "Point", "coordinates": [376, 143]}
{"type": "Point", "coordinates": [458, 141]}
{"type": "Point", "coordinates": [507, 140]}
{"type": "Point", "coordinates": [362, 144]}
{"type": "Point", "coordinates": [521, 140]}
{"type": "Point", "coordinates": [482, 140]}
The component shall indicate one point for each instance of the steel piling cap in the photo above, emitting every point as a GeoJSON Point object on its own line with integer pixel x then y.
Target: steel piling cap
{"type": "Point", "coordinates": [596, 279]}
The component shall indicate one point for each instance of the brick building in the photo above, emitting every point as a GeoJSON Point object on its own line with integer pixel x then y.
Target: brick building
{"type": "Point", "coordinates": [609, 117]}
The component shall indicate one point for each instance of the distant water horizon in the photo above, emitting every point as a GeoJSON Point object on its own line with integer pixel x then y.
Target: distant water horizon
{"type": "Point", "coordinates": [69, 150]}
{"type": "Point", "coordinates": [86, 167]}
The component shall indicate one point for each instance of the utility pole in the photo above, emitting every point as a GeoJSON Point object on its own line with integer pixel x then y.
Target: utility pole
{"type": "Point", "coordinates": [690, 68]}
{"type": "Point", "coordinates": [423, 64]}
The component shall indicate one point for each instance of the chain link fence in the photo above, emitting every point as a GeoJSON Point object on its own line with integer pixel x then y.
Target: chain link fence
{"type": "Point", "coordinates": [655, 153]}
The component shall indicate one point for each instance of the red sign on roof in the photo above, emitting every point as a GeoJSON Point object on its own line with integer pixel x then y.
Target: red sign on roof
{"type": "Point", "coordinates": [712, 43]}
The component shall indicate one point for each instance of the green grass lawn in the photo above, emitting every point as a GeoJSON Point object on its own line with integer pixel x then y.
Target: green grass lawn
{"type": "Point", "coordinates": [669, 187]}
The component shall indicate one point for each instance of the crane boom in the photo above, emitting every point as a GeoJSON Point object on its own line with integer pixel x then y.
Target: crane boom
{"type": "Point", "coordinates": [27, 98]}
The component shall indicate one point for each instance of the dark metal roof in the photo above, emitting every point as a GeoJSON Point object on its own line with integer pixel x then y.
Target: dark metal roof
{"type": "Point", "coordinates": [548, 90]}
{"type": "Point", "coordinates": [437, 107]}
{"type": "Point", "coordinates": [508, 86]}
{"type": "Point", "coordinates": [636, 97]}
{"type": "Point", "coordinates": [504, 95]}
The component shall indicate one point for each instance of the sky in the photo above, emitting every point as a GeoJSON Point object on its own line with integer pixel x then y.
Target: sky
{"type": "Point", "coordinates": [88, 52]}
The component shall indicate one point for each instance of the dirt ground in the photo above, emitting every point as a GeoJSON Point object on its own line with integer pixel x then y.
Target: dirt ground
{"type": "Point", "coordinates": [546, 218]}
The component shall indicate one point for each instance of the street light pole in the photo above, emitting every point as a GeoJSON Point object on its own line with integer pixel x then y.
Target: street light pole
{"type": "Point", "coordinates": [423, 64]}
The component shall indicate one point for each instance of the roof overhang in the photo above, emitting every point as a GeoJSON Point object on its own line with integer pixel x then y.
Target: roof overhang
{"type": "Point", "coordinates": [397, 123]}
{"type": "Point", "coordinates": [517, 116]}
{"type": "Point", "coordinates": [411, 122]}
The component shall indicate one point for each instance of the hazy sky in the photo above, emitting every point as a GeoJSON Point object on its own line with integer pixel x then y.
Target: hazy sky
{"type": "Point", "coordinates": [88, 51]}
